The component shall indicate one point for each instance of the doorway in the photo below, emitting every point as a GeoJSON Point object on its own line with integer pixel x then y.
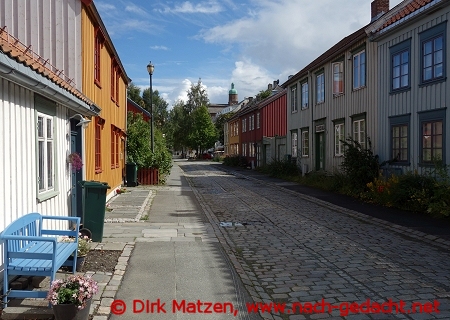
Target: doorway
{"type": "Point", "coordinates": [76, 176]}
{"type": "Point", "coordinates": [320, 151]}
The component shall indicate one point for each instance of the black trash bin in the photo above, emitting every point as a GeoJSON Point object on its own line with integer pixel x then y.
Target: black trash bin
{"type": "Point", "coordinates": [131, 176]}
{"type": "Point", "coordinates": [94, 207]}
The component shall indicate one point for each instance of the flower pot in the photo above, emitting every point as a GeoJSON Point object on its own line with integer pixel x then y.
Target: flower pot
{"type": "Point", "coordinates": [80, 263]}
{"type": "Point", "coordinates": [71, 312]}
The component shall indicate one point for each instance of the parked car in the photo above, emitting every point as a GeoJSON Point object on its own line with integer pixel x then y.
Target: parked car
{"type": "Point", "coordinates": [207, 155]}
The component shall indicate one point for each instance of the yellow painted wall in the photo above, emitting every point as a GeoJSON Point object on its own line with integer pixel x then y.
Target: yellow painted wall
{"type": "Point", "coordinates": [111, 113]}
{"type": "Point", "coordinates": [233, 139]}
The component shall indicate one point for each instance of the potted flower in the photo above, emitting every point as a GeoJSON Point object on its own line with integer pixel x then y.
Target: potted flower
{"type": "Point", "coordinates": [71, 298]}
{"type": "Point", "coordinates": [75, 159]}
{"type": "Point", "coordinates": [84, 246]}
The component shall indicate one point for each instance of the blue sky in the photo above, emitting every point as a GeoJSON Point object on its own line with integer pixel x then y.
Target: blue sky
{"type": "Point", "coordinates": [248, 42]}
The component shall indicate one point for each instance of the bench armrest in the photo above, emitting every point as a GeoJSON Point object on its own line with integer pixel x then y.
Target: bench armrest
{"type": "Point", "coordinates": [71, 233]}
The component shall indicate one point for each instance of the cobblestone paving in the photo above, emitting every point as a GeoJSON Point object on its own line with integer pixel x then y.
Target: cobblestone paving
{"type": "Point", "coordinates": [288, 249]}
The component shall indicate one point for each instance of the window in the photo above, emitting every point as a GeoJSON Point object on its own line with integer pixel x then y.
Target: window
{"type": "Point", "coordinates": [338, 78]}
{"type": "Point", "coordinates": [432, 141]}
{"type": "Point", "coordinates": [339, 134]}
{"type": "Point", "coordinates": [244, 125]}
{"type": "Point", "coordinates": [400, 142]}
{"type": "Point", "coordinates": [98, 146]}
{"type": "Point", "coordinates": [115, 143]}
{"type": "Point", "coordinates": [432, 134]}
{"type": "Point", "coordinates": [433, 52]}
{"type": "Point", "coordinates": [257, 120]}
{"type": "Point", "coordinates": [305, 143]}
{"type": "Point", "coordinates": [46, 150]}
{"type": "Point", "coordinates": [294, 102]}
{"type": "Point", "coordinates": [97, 53]}
{"type": "Point", "coordinates": [359, 70]}
{"type": "Point", "coordinates": [294, 143]}
{"type": "Point", "coordinates": [244, 150]}
{"type": "Point", "coordinates": [320, 86]}
{"type": "Point", "coordinates": [400, 70]}
{"type": "Point", "coordinates": [304, 95]}
{"type": "Point", "coordinates": [117, 88]}
{"type": "Point", "coordinates": [113, 80]}
{"type": "Point", "coordinates": [433, 60]}
{"type": "Point", "coordinates": [359, 132]}
{"type": "Point", "coordinates": [251, 147]}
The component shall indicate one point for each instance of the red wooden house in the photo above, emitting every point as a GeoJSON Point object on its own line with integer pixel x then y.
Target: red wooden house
{"type": "Point", "coordinates": [135, 108]}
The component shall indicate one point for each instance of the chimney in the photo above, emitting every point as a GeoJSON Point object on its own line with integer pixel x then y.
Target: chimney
{"type": "Point", "coordinates": [269, 87]}
{"type": "Point", "coordinates": [379, 7]}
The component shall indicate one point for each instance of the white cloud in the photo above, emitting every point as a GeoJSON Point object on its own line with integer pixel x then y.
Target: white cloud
{"type": "Point", "coordinates": [289, 34]}
{"type": "Point", "coordinates": [137, 10]}
{"type": "Point", "coordinates": [188, 7]}
{"type": "Point", "coordinates": [249, 79]}
{"type": "Point", "coordinates": [159, 48]}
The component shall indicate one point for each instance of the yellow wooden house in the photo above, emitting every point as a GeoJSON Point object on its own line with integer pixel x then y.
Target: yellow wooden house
{"type": "Point", "coordinates": [105, 83]}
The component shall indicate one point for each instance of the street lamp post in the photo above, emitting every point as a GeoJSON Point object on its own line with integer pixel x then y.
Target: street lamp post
{"type": "Point", "coordinates": [150, 69]}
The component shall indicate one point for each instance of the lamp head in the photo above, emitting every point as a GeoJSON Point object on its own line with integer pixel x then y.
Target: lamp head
{"type": "Point", "coordinates": [83, 121]}
{"type": "Point", "coordinates": [150, 68]}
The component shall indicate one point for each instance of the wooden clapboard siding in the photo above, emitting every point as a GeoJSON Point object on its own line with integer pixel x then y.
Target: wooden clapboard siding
{"type": "Point", "coordinates": [113, 113]}
{"type": "Point", "coordinates": [352, 102]}
{"type": "Point", "coordinates": [18, 170]}
{"type": "Point", "coordinates": [412, 102]}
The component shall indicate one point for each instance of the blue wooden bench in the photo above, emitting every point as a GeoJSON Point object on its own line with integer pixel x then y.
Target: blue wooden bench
{"type": "Point", "coordinates": [30, 250]}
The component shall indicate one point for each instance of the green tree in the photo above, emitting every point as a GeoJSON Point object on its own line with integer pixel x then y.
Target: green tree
{"type": "Point", "coordinates": [134, 94]}
{"type": "Point", "coordinates": [263, 94]}
{"type": "Point", "coordinates": [160, 108]}
{"type": "Point", "coordinates": [178, 127]}
{"type": "Point", "coordinates": [138, 146]}
{"type": "Point", "coordinates": [197, 96]}
{"type": "Point", "coordinates": [138, 137]}
{"type": "Point", "coordinates": [203, 133]}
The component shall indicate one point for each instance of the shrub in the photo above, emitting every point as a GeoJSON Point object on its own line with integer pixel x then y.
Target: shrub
{"type": "Point", "coordinates": [281, 168]}
{"type": "Point", "coordinates": [360, 165]}
{"type": "Point", "coordinates": [235, 161]}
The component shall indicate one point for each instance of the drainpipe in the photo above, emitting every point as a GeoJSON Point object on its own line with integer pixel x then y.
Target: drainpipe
{"type": "Point", "coordinates": [312, 124]}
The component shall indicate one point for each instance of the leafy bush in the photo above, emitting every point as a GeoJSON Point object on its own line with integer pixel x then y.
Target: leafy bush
{"type": "Point", "coordinates": [139, 149]}
{"type": "Point", "coordinates": [280, 168]}
{"type": "Point", "coordinates": [235, 161]}
{"type": "Point", "coordinates": [360, 165]}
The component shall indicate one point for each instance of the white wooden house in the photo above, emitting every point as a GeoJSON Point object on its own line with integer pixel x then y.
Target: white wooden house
{"type": "Point", "coordinates": [40, 91]}
{"type": "Point", "coordinates": [414, 91]}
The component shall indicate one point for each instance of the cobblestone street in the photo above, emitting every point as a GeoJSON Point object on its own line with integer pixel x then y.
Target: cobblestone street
{"type": "Point", "coordinates": [289, 248]}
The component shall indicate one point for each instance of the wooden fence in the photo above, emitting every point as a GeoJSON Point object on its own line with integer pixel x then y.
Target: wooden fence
{"type": "Point", "coordinates": [148, 176]}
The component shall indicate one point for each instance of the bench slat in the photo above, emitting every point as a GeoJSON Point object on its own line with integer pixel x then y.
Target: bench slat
{"type": "Point", "coordinates": [27, 252]}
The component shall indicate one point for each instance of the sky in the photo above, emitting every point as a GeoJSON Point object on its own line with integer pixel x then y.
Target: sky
{"type": "Point", "coordinates": [250, 43]}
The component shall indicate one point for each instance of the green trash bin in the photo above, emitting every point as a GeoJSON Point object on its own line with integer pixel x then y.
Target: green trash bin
{"type": "Point", "coordinates": [94, 207]}
{"type": "Point", "coordinates": [132, 169]}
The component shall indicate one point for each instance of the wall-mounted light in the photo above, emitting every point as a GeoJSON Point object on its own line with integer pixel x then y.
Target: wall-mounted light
{"type": "Point", "coordinates": [83, 121]}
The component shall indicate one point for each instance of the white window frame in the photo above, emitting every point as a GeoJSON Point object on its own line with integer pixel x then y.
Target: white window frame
{"type": "Point", "coordinates": [338, 78]}
{"type": "Point", "coordinates": [339, 134]}
{"type": "Point", "coordinates": [359, 134]}
{"type": "Point", "coordinates": [46, 181]}
{"type": "Point", "coordinates": [257, 120]}
{"type": "Point", "coordinates": [305, 143]}
{"type": "Point", "coordinates": [294, 100]}
{"type": "Point", "coordinates": [320, 88]}
{"type": "Point", "coordinates": [294, 144]}
{"type": "Point", "coordinates": [244, 125]}
{"type": "Point", "coordinates": [359, 69]}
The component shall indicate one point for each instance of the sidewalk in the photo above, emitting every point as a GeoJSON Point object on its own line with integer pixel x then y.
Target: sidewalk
{"type": "Point", "coordinates": [170, 253]}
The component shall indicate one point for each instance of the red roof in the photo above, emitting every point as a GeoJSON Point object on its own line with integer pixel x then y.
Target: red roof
{"type": "Point", "coordinates": [408, 9]}
{"type": "Point", "coordinates": [18, 51]}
